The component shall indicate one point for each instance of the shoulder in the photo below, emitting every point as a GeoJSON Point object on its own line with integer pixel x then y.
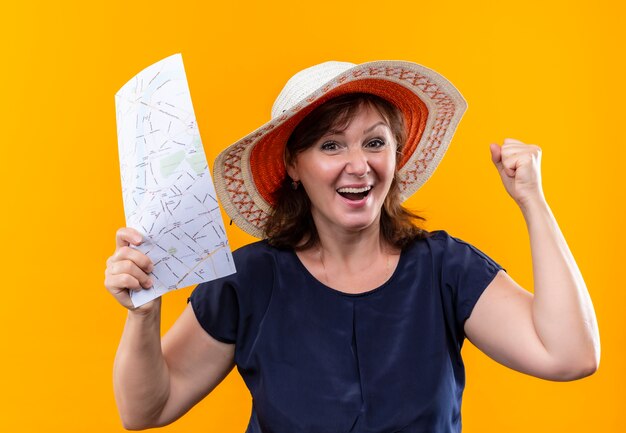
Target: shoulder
{"type": "Point", "coordinates": [255, 248]}
{"type": "Point", "coordinates": [442, 237]}
{"type": "Point", "coordinates": [441, 240]}
{"type": "Point", "coordinates": [433, 239]}
{"type": "Point", "coordinates": [449, 252]}
{"type": "Point", "coordinates": [256, 255]}
{"type": "Point", "coordinates": [434, 244]}
{"type": "Point", "coordinates": [254, 263]}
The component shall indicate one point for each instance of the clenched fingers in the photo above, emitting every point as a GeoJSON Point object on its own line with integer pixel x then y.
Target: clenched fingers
{"type": "Point", "coordinates": [135, 278]}
{"type": "Point", "coordinates": [515, 154]}
{"type": "Point", "coordinates": [127, 236]}
{"type": "Point", "coordinates": [133, 255]}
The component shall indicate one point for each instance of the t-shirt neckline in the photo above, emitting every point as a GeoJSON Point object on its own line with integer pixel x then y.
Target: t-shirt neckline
{"type": "Point", "coordinates": [320, 284]}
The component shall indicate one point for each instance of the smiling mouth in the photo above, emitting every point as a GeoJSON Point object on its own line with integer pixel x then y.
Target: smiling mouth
{"type": "Point", "coordinates": [355, 193]}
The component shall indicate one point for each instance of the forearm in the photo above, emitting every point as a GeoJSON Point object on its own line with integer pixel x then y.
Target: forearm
{"type": "Point", "coordinates": [141, 378]}
{"type": "Point", "coordinates": [563, 313]}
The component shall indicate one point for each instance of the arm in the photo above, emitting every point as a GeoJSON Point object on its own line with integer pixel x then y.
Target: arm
{"type": "Point", "coordinates": [156, 381]}
{"type": "Point", "coordinates": [553, 334]}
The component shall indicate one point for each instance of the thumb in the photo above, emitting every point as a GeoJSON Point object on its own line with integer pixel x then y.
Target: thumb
{"type": "Point", "coordinates": [496, 156]}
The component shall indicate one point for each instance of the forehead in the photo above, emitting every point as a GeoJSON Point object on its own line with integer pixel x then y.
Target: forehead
{"type": "Point", "coordinates": [361, 115]}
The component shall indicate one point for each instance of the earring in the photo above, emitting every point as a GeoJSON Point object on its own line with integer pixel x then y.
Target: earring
{"type": "Point", "coordinates": [294, 185]}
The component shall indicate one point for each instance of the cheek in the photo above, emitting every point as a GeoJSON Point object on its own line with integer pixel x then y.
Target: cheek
{"type": "Point", "coordinates": [386, 166]}
{"type": "Point", "coordinates": [321, 170]}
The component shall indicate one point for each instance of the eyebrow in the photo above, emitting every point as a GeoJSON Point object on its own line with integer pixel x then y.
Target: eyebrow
{"type": "Point", "coordinates": [374, 127]}
{"type": "Point", "coordinates": [368, 130]}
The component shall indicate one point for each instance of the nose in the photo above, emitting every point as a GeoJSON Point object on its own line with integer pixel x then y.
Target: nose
{"type": "Point", "coordinates": [356, 163]}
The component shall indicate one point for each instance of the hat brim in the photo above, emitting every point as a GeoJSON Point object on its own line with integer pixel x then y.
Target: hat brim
{"type": "Point", "coordinates": [248, 172]}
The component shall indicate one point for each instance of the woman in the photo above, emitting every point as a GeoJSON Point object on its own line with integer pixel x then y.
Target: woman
{"type": "Point", "coordinates": [348, 317]}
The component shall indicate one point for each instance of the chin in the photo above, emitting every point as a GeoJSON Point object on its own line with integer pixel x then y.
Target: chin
{"type": "Point", "coordinates": [358, 226]}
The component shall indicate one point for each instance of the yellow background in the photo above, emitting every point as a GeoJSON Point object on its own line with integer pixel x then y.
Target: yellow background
{"type": "Point", "coordinates": [546, 72]}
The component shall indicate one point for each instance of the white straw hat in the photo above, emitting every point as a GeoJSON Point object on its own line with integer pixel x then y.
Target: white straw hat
{"type": "Point", "coordinates": [248, 172]}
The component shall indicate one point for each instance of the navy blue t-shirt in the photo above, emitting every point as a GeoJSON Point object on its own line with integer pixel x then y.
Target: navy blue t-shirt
{"type": "Point", "coordinates": [318, 360]}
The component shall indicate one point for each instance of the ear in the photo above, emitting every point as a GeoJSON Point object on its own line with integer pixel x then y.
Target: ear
{"type": "Point", "coordinates": [292, 171]}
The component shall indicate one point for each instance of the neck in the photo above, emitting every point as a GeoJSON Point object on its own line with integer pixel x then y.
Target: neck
{"type": "Point", "coordinates": [352, 263]}
{"type": "Point", "coordinates": [345, 246]}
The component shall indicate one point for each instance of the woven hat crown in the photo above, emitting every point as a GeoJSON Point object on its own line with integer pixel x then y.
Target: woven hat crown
{"type": "Point", "coordinates": [306, 82]}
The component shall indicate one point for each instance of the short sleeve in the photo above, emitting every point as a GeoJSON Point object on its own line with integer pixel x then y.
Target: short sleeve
{"type": "Point", "coordinates": [217, 309]}
{"type": "Point", "coordinates": [230, 308]}
{"type": "Point", "coordinates": [465, 274]}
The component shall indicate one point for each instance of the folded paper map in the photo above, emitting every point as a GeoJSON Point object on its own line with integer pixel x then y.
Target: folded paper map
{"type": "Point", "coordinates": [167, 189]}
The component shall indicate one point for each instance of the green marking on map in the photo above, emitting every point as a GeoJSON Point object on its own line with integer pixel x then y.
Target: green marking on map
{"type": "Point", "coordinates": [197, 161]}
{"type": "Point", "coordinates": [169, 164]}
{"type": "Point", "coordinates": [172, 250]}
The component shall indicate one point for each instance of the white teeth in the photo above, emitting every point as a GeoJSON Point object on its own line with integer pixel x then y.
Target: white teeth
{"type": "Point", "coordinates": [355, 190]}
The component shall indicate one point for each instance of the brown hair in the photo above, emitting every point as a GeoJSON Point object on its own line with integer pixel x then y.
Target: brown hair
{"type": "Point", "coordinates": [291, 223]}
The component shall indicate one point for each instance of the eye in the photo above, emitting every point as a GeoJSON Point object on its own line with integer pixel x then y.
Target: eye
{"type": "Point", "coordinates": [375, 143]}
{"type": "Point", "coordinates": [329, 146]}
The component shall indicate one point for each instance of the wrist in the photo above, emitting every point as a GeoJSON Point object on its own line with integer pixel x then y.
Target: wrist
{"type": "Point", "coordinates": [532, 203]}
{"type": "Point", "coordinates": [535, 209]}
{"type": "Point", "coordinates": [148, 311]}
